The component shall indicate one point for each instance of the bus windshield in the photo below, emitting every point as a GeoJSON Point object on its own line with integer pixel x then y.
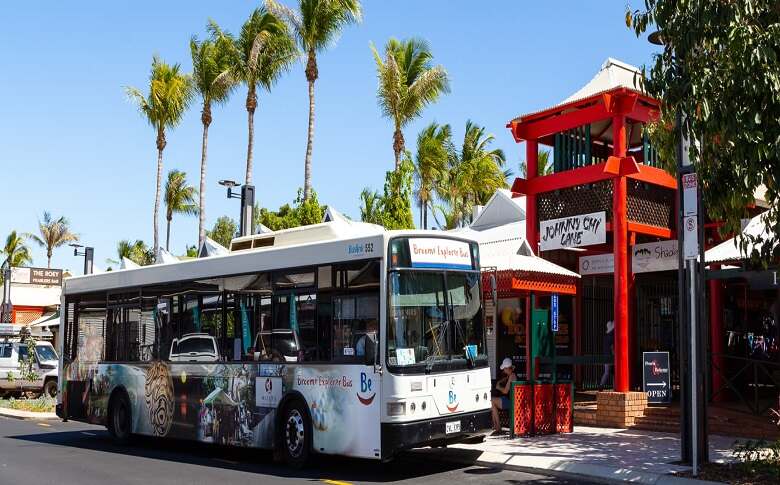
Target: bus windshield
{"type": "Point", "coordinates": [435, 320]}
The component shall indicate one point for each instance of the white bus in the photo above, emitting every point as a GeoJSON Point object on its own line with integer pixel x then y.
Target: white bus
{"type": "Point", "coordinates": [336, 338]}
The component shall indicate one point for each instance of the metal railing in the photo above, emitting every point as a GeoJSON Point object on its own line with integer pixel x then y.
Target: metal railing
{"type": "Point", "coordinates": [754, 382]}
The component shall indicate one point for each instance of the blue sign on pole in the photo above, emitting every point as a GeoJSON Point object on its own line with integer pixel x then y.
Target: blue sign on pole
{"type": "Point", "coordinates": [554, 307]}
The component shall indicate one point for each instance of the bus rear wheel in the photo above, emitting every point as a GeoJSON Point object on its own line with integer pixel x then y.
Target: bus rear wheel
{"type": "Point", "coordinates": [296, 435]}
{"type": "Point", "coordinates": [120, 424]}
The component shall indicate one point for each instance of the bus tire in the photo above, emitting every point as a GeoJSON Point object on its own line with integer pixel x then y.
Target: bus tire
{"type": "Point", "coordinates": [50, 388]}
{"type": "Point", "coordinates": [295, 434]}
{"type": "Point", "coordinates": [120, 422]}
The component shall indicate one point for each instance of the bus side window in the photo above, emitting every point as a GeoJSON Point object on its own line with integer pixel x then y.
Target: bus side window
{"type": "Point", "coordinates": [306, 313]}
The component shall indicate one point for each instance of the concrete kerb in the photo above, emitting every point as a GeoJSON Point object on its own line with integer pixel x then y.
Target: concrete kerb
{"type": "Point", "coordinates": [588, 471]}
{"type": "Point", "coordinates": [27, 415]}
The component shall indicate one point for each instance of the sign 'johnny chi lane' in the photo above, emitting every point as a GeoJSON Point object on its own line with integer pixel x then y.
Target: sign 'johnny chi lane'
{"type": "Point", "coordinates": [573, 231]}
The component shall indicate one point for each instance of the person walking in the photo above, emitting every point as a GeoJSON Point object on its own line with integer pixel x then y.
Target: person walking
{"type": "Point", "coordinates": [609, 349]}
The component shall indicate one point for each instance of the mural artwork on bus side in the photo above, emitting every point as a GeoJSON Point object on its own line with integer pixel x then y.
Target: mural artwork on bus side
{"type": "Point", "coordinates": [236, 403]}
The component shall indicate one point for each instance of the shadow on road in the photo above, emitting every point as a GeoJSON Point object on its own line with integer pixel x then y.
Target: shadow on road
{"type": "Point", "coordinates": [247, 459]}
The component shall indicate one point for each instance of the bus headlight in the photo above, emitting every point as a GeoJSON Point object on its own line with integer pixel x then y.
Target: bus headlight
{"type": "Point", "coordinates": [396, 408]}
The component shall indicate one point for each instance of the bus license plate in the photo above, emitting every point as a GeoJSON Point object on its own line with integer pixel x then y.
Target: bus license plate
{"type": "Point", "coordinates": [452, 427]}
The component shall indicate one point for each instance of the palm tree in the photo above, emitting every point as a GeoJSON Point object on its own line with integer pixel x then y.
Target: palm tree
{"type": "Point", "coordinates": [544, 167]}
{"type": "Point", "coordinates": [170, 93]}
{"type": "Point", "coordinates": [136, 251]}
{"type": "Point", "coordinates": [316, 25]}
{"type": "Point", "coordinates": [408, 82]}
{"type": "Point", "coordinates": [15, 252]}
{"type": "Point", "coordinates": [473, 176]}
{"type": "Point", "coordinates": [435, 151]}
{"type": "Point", "coordinates": [54, 233]}
{"type": "Point", "coordinates": [262, 53]}
{"type": "Point", "coordinates": [370, 206]}
{"type": "Point", "coordinates": [483, 166]}
{"type": "Point", "coordinates": [212, 79]}
{"type": "Point", "coordinates": [179, 199]}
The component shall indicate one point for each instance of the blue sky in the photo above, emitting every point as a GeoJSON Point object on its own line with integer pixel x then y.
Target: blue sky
{"type": "Point", "coordinates": [72, 144]}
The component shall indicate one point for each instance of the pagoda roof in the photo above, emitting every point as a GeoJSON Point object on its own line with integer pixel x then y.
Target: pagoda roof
{"type": "Point", "coordinates": [614, 75]}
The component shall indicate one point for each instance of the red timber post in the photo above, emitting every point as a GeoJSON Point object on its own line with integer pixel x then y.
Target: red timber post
{"type": "Point", "coordinates": [620, 249]}
{"type": "Point", "coordinates": [716, 337]}
{"type": "Point", "coordinates": [531, 219]}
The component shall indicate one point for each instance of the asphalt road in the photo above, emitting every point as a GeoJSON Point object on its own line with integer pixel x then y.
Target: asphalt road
{"type": "Point", "coordinates": [59, 453]}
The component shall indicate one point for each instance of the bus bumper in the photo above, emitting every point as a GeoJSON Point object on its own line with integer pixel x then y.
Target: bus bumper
{"type": "Point", "coordinates": [397, 437]}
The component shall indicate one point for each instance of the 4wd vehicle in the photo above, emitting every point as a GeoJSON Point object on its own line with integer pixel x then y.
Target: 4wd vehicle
{"type": "Point", "coordinates": [194, 347]}
{"type": "Point", "coordinates": [46, 367]}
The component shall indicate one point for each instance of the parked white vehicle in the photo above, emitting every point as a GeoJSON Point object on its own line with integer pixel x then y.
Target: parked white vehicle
{"type": "Point", "coordinates": [46, 366]}
{"type": "Point", "coordinates": [194, 347]}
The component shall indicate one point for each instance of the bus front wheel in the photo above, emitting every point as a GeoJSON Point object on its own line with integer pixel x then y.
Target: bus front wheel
{"type": "Point", "coordinates": [296, 435]}
{"type": "Point", "coordinates": [120, 418]}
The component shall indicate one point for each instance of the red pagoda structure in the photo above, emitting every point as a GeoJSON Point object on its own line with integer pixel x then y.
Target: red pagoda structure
{"type": "Point", "coordinates": [602, 163]}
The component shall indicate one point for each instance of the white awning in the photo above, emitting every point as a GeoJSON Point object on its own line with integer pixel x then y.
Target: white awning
{"type": "Point", "coordinates": [51, 319]}
{"type": "Point", "coordinates": [729, 250]}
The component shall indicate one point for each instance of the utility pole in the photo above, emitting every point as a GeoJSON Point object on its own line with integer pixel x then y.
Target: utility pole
{"type": "Point", "coordinates": [6, 309]}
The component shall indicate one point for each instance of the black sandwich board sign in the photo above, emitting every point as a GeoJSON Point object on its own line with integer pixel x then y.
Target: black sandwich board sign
{"type": "Point", "coordinates": [656, 380]}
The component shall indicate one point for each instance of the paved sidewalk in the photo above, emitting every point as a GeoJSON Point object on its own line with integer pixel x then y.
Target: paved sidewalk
{"type": "Point", "coordinates": [612, 455]}
{"type": "Point", "coordinates": [17, 414]}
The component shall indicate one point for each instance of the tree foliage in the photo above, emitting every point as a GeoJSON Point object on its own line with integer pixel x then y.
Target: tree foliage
{"type": "Point", "coordinates": [179, 199]}
{"type": "Point", "coordinates": [136, 251]}
{"type": "Point", "coordinates": [720, 68]}
{"type": "Point", "coordinates": [214, 81]}
{"type": "Point", "coordinates": [224, 230]}
{"type": "Point", "coordinates": [170, 94]}
{"type": "Point", "coordinates": [408, 82]}
{"type": "Point", "coordinates": [544, 167]}
{"type": "Point", "coordinates": [53, 234]}
{"type": "Point", "coordinates": [472, 177]}
{"type": "Point", "coordinates": [303, 212]}
{"type": "Point", "coordinates": [315, 25]}
{"type": "Point", "coordinates": [393, 208]}
{"type": "Point", "coordinates": [15, 251]}
{"type": "Point", "coordinates": [435, 152]}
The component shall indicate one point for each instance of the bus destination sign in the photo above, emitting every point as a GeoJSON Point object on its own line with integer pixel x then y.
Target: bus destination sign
{"type": "Point", "coordinates": [428, 252]}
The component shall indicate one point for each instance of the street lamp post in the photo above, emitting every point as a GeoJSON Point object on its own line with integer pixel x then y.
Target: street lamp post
{"type": "Point", "coordinates": [6, 309]}
{"type": "Point", "coordinates": [88, 253]}
{"type": "Point", "coordinates": [694, 445]}
{"type": "Point", "coordinates": [246, 222]}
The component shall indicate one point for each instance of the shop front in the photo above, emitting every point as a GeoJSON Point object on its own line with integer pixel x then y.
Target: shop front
{"type": "Point", "coordinates": [744, 325]}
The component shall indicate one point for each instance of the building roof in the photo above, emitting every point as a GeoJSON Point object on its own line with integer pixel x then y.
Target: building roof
{"type": "Point", "coordinates": [613, 74]}
{"type": "Point", "coordinates": [729, 251]}
{"type": "Point", "coordinates": [501, 209]}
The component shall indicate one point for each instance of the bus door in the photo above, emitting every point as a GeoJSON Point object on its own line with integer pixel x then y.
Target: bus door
{"type": "Point", "coordinates": [355, 355]}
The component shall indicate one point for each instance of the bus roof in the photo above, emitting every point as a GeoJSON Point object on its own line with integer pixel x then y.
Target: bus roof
{"type": "Point", "coordinates": [336, 240]}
